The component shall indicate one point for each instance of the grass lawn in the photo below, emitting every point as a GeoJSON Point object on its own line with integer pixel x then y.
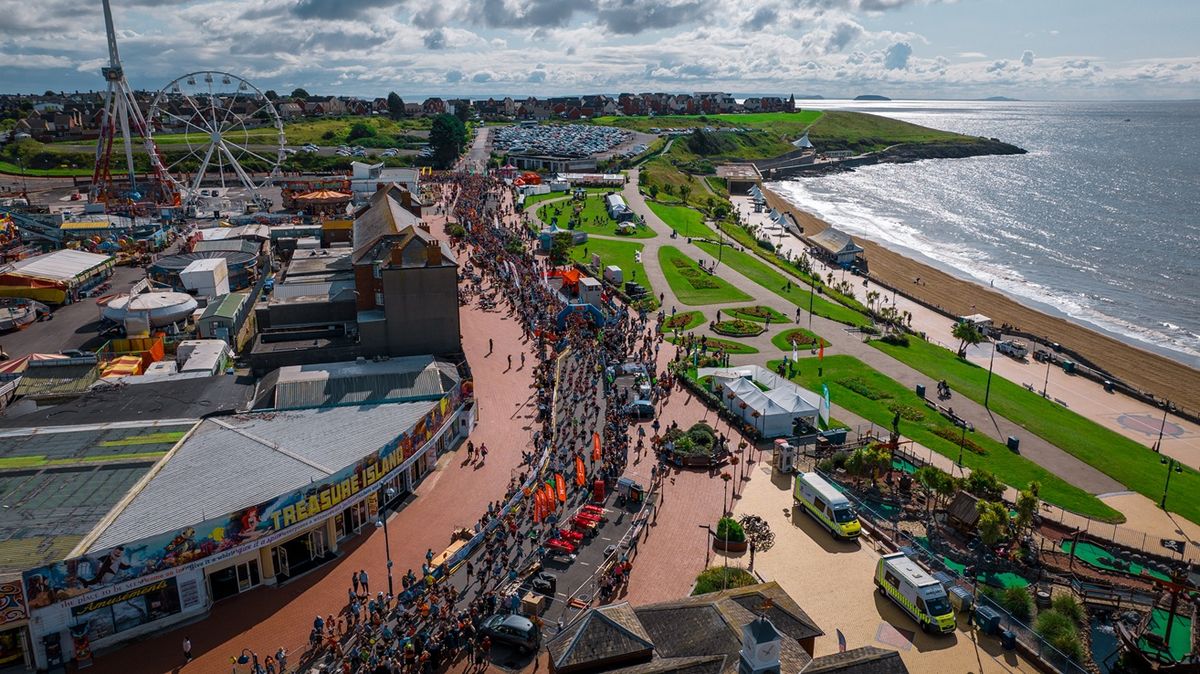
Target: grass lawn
{"type": "Point", "coordinates": [593, 218]}
{"type": "Point", "coordinates": [862, 132]}
{"type": "Point", "coordinates": [730, 346]}
{"type": "Point", "coordinates": [1130, 463]}
{"type": "Point", "coordinates": [620, 253]}
{"type": "Point", "coordinates": [683, 321]}
{"type": "Point", "coordinates": [15, 169]}
{"type": "Point", "coordinates": [790, 123]}
{"type": "Point", "coordinates": [717, 185]}
{"type": "Point", "coordinates": [806, 339]}
{"type": "Point", "coordinates": [691, 284]}
{"type": "Point", "coordinates": [758, 313]}
{"type": "Point", "coordinates": [314, 130]}
{"type": "Point", "coordinates": [875, 397]}
{"type": "Point", "coordinates": [799, 294]}
{"type": "Point", "coordinates": [537, 198]}
{"type": "Point", "coordinates": [687, 221]}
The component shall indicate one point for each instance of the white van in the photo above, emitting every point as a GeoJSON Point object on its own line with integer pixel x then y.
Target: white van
{"type": "Point", "coordinates": [920, 595]}
{"type": "Point", "coordinates": [828, 506]}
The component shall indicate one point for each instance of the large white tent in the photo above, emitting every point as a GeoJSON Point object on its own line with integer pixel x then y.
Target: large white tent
{"type": "Point", "coordinates": [771, 411]}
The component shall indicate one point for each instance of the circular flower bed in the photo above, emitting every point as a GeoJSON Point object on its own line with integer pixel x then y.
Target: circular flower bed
{"type": "Point", "coordinates": [698, 446]}
{"type": "Point", "coordinates": [738, 328]}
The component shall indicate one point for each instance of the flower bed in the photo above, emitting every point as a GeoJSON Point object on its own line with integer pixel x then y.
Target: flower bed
{"type": "Point", "coordinates": [683, 321]}
{"type": "Point", "coordinates": [738, 328]}
{"type": "Point", "coordinates": [801, 338]}
{"type": "Point", "coordinates": [758, 313]}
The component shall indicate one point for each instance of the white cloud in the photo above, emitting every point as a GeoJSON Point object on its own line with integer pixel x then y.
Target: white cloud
{"type": "Point", "coordinates": [896, 56]}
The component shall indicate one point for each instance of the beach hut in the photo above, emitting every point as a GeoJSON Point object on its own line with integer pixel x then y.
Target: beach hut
{"type": "Point", "coordinates": [836, 246]}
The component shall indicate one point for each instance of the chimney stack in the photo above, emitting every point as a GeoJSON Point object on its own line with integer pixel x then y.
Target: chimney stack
{"type": "Point", "coordinates": [433, 253]}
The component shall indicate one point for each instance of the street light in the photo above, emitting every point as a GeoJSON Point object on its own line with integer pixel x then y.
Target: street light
{"type": "Point", "coordinates": [1163, 427]}
{"type": "Point", "coordinates": [243, 659]}
{"type": "Point", "coordinates": [962, 441]}
{"type": "Point", "coordinates": [1172, 465]}
{"type": "Point", "coordinates": [988, 390]}
{"type": "Point", "coordinates": [388, 493]}
{"type": "Point", "coordinates": [1046, 384]}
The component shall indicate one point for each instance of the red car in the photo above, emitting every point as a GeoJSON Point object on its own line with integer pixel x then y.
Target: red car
{"type": "Point", "coordinates": [558, 545]}
{"type": "Point", "coordinates": [570, 536]}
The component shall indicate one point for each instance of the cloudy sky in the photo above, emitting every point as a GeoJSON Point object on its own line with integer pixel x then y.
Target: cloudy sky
{"type": "Point", "coordinates": [1034, 49]}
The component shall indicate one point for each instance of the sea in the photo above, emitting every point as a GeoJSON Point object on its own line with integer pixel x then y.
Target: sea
{"type": "Point", "coordinates": [1099, 222]}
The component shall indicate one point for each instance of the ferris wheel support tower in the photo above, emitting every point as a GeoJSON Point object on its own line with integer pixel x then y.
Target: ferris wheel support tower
{"type": "Point", "coordinates": [121, 112]}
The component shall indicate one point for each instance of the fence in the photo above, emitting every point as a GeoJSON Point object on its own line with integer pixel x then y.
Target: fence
{"type": "Point", "coordinates": [889, 527]}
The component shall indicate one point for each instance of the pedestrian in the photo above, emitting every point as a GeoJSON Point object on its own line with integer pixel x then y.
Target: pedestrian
{"type": "Point", "coordinates": [489, 346]}
{"type": "Point", "coordinates": [187, 650]}
{"type": "Point", "coordinates": [362, 579]}
{"type": "Point", "coordinates": [354, 580]}
{"type": "Point", "coordinates": [429, 555]}
{"type": "Point", "coordinates": [510, 361]}
{"type": "Point", "coordinates": [281, 658]}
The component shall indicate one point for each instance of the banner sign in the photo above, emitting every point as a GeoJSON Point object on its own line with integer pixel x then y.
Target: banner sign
{"type": "Point", "coordinates": [93, 576]}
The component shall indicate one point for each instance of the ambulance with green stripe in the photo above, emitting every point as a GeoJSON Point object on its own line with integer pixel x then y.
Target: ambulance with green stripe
{"type": "Point", "coordinates": [827, 505]}
{"type": "Point", "coordinates": [920, 595]}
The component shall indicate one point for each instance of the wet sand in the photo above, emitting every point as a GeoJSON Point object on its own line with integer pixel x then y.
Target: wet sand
{"type": "Point", "coordinates": [1149, 372]}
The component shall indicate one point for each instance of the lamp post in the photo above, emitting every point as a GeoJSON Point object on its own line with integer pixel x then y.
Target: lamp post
{"type": "Point", "coordinates": [987, 391]}
{"type": "Point", "coordinates": [24, 183]}
{"type": "Point", "coordinates": [1172, 466]}
{"type": "Point", "coordinates": [1046, 384]}
{"type": "Point", "coordinates": [245, 657]}
{"type": "Point", "coordinates": [1163, 427]}
{"type": "Point", "coordinates": [388, 493]}
{"type": "Point", "coordinates": [962, 441]}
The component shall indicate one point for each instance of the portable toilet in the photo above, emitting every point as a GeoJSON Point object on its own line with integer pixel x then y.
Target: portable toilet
{"type": "Point", "coordinates": [614, 275]}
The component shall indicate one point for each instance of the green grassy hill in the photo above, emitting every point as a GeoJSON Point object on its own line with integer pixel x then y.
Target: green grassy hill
{"type": "Point", "coordinates": [860, 132]}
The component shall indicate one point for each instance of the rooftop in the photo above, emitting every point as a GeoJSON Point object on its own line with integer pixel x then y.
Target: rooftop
{"type": "Point", "coordinates": [57, 483]}
{"type": "Point", "coordinates": [61, 265]}
{"type": "Point", "coordinates": [834, 240]}
{"type": "Point", "coordinates": [227, 307]}
{"type": "Point", "coordinates": [230, 463]}
{"type": "Point", "coordinates": [739, 172]}
{"type": "Point", "coordinates": [382, 215]}
{"type": "Point", "coordinates": [356, 382]}
{"type": "Point", "coordinates": [318, 261]}
{"type": "Point", "coordinates": [865, 660]}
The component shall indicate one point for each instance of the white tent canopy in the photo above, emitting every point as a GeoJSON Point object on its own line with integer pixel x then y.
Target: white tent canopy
{"type": "Point", "coordinates": [778, 406]}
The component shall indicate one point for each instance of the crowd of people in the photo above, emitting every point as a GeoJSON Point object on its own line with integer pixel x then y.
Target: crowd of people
{"type": "Point", "coordinates": [438, 617]}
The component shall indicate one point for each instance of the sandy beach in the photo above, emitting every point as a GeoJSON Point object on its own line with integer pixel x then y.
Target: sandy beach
{"type": "Point", "coordinates": [1158, 375]}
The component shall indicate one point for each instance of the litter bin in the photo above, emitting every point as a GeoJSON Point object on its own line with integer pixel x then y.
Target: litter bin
{"type": "Point", "coordinates": [1068, 366]}
{"type": "Point", "coordinates": [921, 391]}
{"type": "Point", "coordinates": [1014, 444]}
{"type": "Point", "coordinates": [1008, 640]}
{"type": "Point", "coordinates": [988, 619]}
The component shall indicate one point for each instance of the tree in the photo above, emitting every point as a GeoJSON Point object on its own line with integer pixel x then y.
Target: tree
{"type": "Point", "coordinates": [967, 335]}
{"type": "Point", "coordinates": [48, 93]}
{"type": "Point", "coordinates": [395, 105]}
{"type": "Point", "coordinates": [983, 484]}
{"type": "Point", "coordinates": [935, 484]}
{"type": "Point", "coordinates": [685, 191]}
{"type": "Point", "coordinates": [720, 211]}
{"type": "Point", "coordinates": [1028, 504]}
{"type": "Point", "coordinates": [463, 113]}
{"type": "Point", "coordinates": [869, 461]}
{"type": "Point", "coordinates": [447, 138]}
{"type": "Point", "coordinates": [653, 190]}
{"type": "Point", "coordinates": [993, 522]}
{"type": "Point", "coordinates": [271, 95]}
{"type": "Point", "coordinates": [360, 130]}
{"type": "Point", "coordinates": [560, 248]}
{"type": "Point", "coordinates": [300, 94]}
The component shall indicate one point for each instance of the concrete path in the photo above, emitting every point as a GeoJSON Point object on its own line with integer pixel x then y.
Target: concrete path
{"type": "Point", "coordinates": [1036, 449]}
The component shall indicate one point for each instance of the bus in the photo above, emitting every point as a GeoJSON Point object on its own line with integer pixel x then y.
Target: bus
{"type": "Point", "coordinates": [920, 595]}
{"type": "Point", "coordinates": [827, 505]}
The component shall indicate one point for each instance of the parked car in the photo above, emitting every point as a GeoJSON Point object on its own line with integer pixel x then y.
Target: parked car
{"type": "Point", "coordinates": [1011, 348]}
{"type": "Point", "coordinates": [516, 630]}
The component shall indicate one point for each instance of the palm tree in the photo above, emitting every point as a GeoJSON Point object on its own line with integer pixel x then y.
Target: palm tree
{"type": "Point", "coordinates": [967, 335]}
{"type": "Point", "coordinates": [872, 297]}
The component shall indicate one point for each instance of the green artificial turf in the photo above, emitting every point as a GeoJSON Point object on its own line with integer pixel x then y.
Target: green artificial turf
{"type": "Point", "coordinates": [1126, 461]}
{"type": "Point", "coordinates": [872, 395]}
{"type": "Point", "coordinates": [692, 285]}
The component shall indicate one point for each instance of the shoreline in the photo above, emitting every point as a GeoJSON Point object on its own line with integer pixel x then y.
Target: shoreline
{"type": "Point", "coordinates": [1157, 375]}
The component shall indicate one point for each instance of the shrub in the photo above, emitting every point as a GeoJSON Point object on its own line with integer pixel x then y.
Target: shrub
{"type": "Point", "coordinates": [729, 529]}
{"type": "Point", "coordinates": [738, 328]}
{"type": "Point", "coordinates": [907, 412]}
{"type": "Point", "coordinates": [1016, 600]}
{"type": "Point", "coordinates": [955, 435]}
{"type": "Point", "coordinates": [702, 434]}
{"type": "Point", "coordinates": [765, 245]}
{"type": "Point", "coordinates": [983, 484]}
{"type": "Point", "coordinates": [862, 388]}
{"type": "Point", "coordinates": [456, 230]}
{"type": "Point", "coordinates": [895, 339]}
{"type": "Point", "coordinates": [1061, 632]}
{"type": "Point", "coordinates": [1070, 607]}
{"type": "Point", "coordinates": [719, 578]}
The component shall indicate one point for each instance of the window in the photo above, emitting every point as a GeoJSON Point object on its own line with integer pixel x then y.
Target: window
{"type": "Point", "coordinates": [377, 269]}
{"type": "Point", "coordinates": [151, 602]}
{"type": "Point", "coordinates": [379, 299]}
{"type": "Point", "coordinates": [891, 579]}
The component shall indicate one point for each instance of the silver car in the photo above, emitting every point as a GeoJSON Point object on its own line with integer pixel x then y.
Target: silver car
{"type": "Point", "coordinates": [516, 630]}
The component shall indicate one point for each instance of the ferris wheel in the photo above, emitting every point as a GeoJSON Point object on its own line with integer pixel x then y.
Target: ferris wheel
{"type": "Point", "coordinates": [216, 130]}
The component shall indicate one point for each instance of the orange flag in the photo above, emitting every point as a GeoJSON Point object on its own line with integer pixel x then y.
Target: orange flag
{"type": "Point", "coordinates": [537, 510]}
{"type": "Point", "coordinates": [562, 487]}
{"type": "Point", "coordinates": [596, 447]}
{"type": "Point", "coordinates": [580, 472]}
{"type": "Point", "coordinates": [821, 351]}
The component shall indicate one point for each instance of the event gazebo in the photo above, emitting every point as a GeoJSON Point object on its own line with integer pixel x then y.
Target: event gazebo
{"type": "Point", "coordinates": [324, 202]}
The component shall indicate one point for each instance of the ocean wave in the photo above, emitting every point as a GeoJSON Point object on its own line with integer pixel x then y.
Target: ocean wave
{"type": "Point", "coordinates": [847, 211]}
